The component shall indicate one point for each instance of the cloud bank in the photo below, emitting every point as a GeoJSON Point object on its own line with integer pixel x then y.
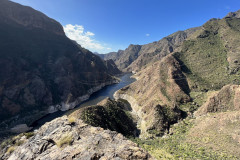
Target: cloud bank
{"type": "Point", "coordinates": [85, 39]}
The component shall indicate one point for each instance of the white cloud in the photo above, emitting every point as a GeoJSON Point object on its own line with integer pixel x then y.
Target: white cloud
{"type": "Point", "coordinates": [85, 39]}
{"type": "Point", "coordinates": [147, 34]}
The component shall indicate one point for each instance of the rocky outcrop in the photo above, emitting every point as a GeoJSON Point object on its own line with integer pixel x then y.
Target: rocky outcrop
{"type": "Point", "coordinates": [233, 14]}
{"type": "Point", "coordinates": [109, 114]}
{"type": "Point", "coordinates": [65, 138]}
{"type": "Point", "coordinates": [227, 99]}
{"type": "Point", "coordinates": [50, 73]}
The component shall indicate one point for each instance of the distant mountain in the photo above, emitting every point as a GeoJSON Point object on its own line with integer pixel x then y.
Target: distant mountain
{"type": "Point", "coordinates": [41, 70]}
{"type": "Point", "coordinates": [100, 55]}
{"type": "Point", "coordinates": [124, 58]}
{"type": "Point", "coordinates": [137, 56]}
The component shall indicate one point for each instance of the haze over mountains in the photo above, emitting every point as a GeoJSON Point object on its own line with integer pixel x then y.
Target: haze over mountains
{"type": "Point", "coordinates": [184, 104]}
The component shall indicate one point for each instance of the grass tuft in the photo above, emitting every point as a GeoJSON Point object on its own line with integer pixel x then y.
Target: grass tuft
{"type": "Point", "coordinates": [10, 149]}
{"type": "Point", "coordinates": [66, 139]}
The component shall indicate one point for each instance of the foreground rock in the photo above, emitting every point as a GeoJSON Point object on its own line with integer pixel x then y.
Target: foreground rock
{"type": "Point", "coordinates": [66, 138]}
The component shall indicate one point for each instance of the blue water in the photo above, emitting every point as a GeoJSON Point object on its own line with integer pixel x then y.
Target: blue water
{"type": "Point", "coordinates": [96, 97]}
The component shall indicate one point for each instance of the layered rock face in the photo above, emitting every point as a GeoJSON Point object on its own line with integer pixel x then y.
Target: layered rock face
{"type": "Point", "coordinates": [41, 68]}
{"type": "Point", "coordinates": [64, 138]}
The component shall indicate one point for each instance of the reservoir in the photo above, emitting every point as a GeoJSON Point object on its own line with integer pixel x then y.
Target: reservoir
{"type": "Point", "coordinates": [96, 97]}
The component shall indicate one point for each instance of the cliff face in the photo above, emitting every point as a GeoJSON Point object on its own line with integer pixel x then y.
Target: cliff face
{"type": "Point", "coordinates": [40, 67]}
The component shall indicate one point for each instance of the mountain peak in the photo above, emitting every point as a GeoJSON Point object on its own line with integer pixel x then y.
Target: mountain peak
{"type": "Point", "coordinates": [14, 13]}
{"type": "Point", "coordinates": [234, 14]}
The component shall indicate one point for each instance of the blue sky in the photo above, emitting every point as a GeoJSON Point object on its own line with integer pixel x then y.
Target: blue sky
{"type": "Point", "coordinates": [109, 25]}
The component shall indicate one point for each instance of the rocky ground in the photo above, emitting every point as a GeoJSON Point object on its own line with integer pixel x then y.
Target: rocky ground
{"type": "Point", "coordinates": [70, 138]}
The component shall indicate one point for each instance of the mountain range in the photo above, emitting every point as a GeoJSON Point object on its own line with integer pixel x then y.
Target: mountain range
{"type": "Point", "coordinates": [184, 103]}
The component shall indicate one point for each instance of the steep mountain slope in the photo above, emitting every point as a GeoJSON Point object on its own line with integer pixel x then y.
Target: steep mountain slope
{"type": "Point", "coordinates": [41, 70]}
{"type": "Point", "coordinates": [211, 56]}
{"type": "Point", "coordinates": [137, 56]}
{"type": "Point", "coordinates": [171, 88]}
{"type": "Point", "coordinates": [199, 81]}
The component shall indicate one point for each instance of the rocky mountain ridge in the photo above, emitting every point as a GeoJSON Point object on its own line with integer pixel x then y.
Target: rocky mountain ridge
{"type": "Point", "coordinates": [136, 57]}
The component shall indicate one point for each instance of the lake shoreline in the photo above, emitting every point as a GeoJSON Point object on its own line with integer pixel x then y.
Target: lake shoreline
{"type": "Point", "coordinates": [93, 99]}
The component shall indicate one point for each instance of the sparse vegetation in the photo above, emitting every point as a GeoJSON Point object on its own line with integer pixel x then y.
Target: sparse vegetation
{"type": "Point", "coordinates": [174, 146]}
{"type": "Point", "coordinates": [10, 144]}
{"type": "Point", "coordinates": [29, 134]}
{"type": "Point", "coordinates": [65, 139]}
{"type": "Point", "coordinates": [10, 149]}
{"type": "Point", "coordinates": [205, 58]}
{"type": "Point", "coordinates": [71, 120]}
{"type": "Point", "coordinates": [112, 115]}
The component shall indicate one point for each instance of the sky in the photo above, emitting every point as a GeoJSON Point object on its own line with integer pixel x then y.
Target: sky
{"type": "Point", "coordinates": [109, 25]}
